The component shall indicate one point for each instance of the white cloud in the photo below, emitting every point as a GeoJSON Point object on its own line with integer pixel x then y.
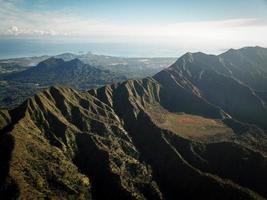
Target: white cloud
{"type": "Point", "coordinates": [203, 34]}
{"type": "Point", "coordinates": [13, 30]}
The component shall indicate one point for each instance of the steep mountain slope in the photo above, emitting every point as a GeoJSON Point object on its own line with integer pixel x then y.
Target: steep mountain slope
{"type": "Point", "coordinates": [192, 131]}
{"type": "Point", "coordinates": [249, 65]}
{"type": "Point", "coordinates": [119, 150]}
{"type": "Point", "coordinates": [61, 131]}
{"type": "Point", "coordinates": [4, 118]}
{"type": "Point", "coordinates": [156, 146]}
{"type": "Point", "coordinates": [212, 78]}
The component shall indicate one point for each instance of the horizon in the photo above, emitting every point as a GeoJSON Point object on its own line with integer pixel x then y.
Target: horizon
{"type": "Point", "coordinates": [125, 56]}
{"type": "Point", "coordinates": [131, 29]}
{"type": "Point", "coordinates": [140, 100]}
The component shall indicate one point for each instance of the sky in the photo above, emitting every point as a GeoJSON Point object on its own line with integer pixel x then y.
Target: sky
{"type": "Point", "coordinates": [179, 25]}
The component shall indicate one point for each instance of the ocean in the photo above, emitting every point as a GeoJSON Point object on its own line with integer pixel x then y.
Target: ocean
{"type": "Point", "coordinates": [13, 48]}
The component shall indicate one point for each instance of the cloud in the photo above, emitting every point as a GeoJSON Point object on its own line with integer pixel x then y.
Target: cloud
{"type": "Point", "coordinates": [13, 30]}
{"type": "Point", "coordinates": [216, 34]}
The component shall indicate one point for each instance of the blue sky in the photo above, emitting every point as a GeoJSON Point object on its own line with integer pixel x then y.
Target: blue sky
{"type": "Point", "coordinates": [208, 25]}
{"type": "Point", "coordinates": [154, 11]}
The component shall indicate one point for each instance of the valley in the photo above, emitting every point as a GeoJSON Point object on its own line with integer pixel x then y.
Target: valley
{"type": "Point", "coordinates": [192, 131]}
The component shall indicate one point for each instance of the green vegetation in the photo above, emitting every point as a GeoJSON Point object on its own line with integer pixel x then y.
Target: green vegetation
{"type": "Point", "coordinates": [20, 79]}
{"type": "Point", "coordinates": [72, 73]}
{"type": "Point", "coordinates": [189, 132]}
{"type": "Point", "coordinates": [14, 93]}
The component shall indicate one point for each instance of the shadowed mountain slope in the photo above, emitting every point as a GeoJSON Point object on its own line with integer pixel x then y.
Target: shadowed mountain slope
{"type": "Point", "coordinates": [249, 64]}
{"type": "Point", "coordinates": [192, 131]}
{"type": "Point", "coordinates": [138, 114]}
{"type": "Point", "coordinates": [71, 138]}
{"type": "Point", "coordinates": [212, 78]}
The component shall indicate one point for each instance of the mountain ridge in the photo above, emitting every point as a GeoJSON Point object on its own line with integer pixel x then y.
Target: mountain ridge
{"type": "Point", "coordinates": [163, 137]}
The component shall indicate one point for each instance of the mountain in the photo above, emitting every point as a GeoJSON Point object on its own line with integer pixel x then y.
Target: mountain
{"type": "Point", "coordinates": [217, 80]}
{"type": "Point", "coordinates": [19, 64]}
{"type": "Point", "coordinates": [73, 73]}
{"type": "Point", "coordinates": [194, 130]}
{"type": "Point", "coordinates": [249, 65]}
{"type": "Point", "coordinates": [20, 78]}
{"type": "Point", "coordinates": [126, 66]}
{"type": "Point", "coordinates": [15, 87]}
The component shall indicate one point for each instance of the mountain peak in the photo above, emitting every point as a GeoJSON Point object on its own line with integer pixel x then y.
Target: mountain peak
{"type": "Point", "coordinates": [51, 61]}
{"type": "Point", "coordinates": [131, 130]}
{"type": "Point", "coordinates": [75, 61]}
{"type": "Point", "coordinates": [187, 57]}
{"type": "Point", "coordinates": [197, 57]}
{"type": "Point", "coordinates": [66, 54]}
{"type": "Point", "coordinates": [254, 49]}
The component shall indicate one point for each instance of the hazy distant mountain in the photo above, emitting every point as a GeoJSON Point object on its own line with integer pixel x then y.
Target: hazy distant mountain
{"type": "Point", "coordinates": [72, 73]}
{"type": "Point", "coordinates": [19, 64]}
{"type": "Point", "coordinates": [193, 131]}
{"type": "Point", "coordinates": [130, 67]}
